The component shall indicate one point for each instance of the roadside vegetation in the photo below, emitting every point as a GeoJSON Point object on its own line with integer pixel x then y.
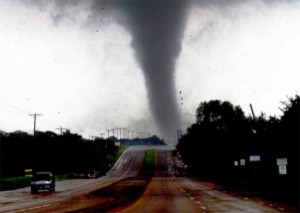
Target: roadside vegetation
{"type": "Point", "coordinates": [149, 157]}
{"type": "Point", "coordinates": [10, 183]}
{"type": "Point", "coordinates": [67, 156]}
{"type": "Point", "coordinates": [149, 162]}
{"type": "Point", "coordinates": [260, 154]}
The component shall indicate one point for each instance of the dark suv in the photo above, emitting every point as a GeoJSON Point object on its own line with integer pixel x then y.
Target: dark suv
{"type": "Point", "coordinates": [42, 180]}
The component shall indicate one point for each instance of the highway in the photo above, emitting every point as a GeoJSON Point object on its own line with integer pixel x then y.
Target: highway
{"type": "Point", "coordinates": [126, 188]}
{"type": "Point", "coordinates": [73, 195]}
{"type": "Point", "coordinates": [166, 193]}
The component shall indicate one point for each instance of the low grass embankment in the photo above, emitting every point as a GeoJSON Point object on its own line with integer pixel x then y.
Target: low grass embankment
{"type": "Point", "coordinates": [120, 152]}
{"type": "Point", "coordinates": [149, 163]}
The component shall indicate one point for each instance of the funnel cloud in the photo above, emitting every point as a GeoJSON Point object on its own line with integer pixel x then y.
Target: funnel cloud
{"type": "Point", "coordinates": [157, 28]}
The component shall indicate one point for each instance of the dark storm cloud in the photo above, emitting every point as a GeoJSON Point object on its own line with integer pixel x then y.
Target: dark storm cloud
{"type": "Point", "coordinates": [157, 29]}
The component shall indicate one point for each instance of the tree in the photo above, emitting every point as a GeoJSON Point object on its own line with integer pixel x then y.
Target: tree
{"type": "Point", "coordinates": [291, 117]}
{"type": "Point", "coordinates": [211, 143]}
{"type": "Point", "coordinates": [222, 134]}
{"type": "Point", "coordinates": [220, 115]}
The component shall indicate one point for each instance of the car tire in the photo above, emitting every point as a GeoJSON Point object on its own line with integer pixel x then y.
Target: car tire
{"type": "Point", "coordinates": [33, 191]}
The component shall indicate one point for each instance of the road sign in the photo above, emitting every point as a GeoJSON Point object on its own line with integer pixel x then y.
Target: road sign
{"type": "Point", "coordinates": [242, 162]}
{"type": "Point", "coordinates": [281, 161]}
{"type": "Point", "coordinates": [254, 158]}
{"type": "Point", "coordinates": [282, 170]}
{"type": "Point", "coordinates": [236, 163]}
{"type": "Point", "coordinates": [28, 172]}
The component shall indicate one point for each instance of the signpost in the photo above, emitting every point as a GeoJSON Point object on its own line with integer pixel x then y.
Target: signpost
{"type": "Point", "coordinates": [28, 172]}
{"type": "Point", "coordinates": [282, 170]}
{"type": "Point", "coordinates": [282, 163]}
{"type": "Point", "coordinates": [254, 158]}
{"type": "Point", "coordinates": [242, 162]}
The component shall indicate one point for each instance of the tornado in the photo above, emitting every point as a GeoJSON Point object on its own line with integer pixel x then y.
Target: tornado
{"type": "Point", "coordinates": [157, 29]}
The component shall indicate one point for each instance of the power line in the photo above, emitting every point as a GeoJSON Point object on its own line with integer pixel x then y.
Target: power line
{"type": "Point", "coordinates": [12, 106]}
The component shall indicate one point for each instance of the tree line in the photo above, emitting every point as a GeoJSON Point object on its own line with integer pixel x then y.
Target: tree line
{"type": "Point", "coordinates": [226, 145]}
{"type": "Point", "coordinates": [60, 154]}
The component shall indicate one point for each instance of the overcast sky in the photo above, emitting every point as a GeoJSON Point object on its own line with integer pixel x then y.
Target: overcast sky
{"type": "Point", "coordinates": [85, 75]}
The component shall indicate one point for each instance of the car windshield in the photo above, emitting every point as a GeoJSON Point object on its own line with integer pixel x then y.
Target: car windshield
{"type": "Point", "coordinates": [42, 177]}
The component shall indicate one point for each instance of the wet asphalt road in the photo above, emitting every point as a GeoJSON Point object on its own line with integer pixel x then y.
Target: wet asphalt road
{"type": "Point", "coordinates": [164, 192]}
{"type": "Point", "coordinates": [72, 195]}
{"type": "Point", "coordinates": [167, 193]}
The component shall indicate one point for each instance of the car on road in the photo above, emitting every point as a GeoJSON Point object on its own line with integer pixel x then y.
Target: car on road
{"type": "Point", "coordinates": [42, 181]}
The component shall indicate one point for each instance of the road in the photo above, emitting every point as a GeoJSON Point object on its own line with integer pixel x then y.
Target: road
{"type": "Point", "coordinates": [166, 193]}
{"type": "Point", "coordinates": [126, 189]}
{"type": "Point", "coordinates": [73, 195]}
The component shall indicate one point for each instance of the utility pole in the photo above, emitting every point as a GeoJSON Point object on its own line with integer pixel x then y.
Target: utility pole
{"type": "Point", "coordinates": [61, 130]}
{"type": "Point", "coordinates": [252, 111]}
{"type": "Point", "coordinates": [102, 135]}
{"type": "Point", "coordinates": [254, 123]}
{"type": "Point", "coordinates": [127, 133]}
{"type": "Point", "coordinates": [34, 123]}
{"type": "Point", "coordinates": [120, 133]}
{"type": "Point", "coordinates": [179, 134]}
{"type": "Point", "coordinates": [92, 137]}
{"type": "Point", "coordinates": [123, 133]}
{"type": "Point", "coordinates": [119, 130]}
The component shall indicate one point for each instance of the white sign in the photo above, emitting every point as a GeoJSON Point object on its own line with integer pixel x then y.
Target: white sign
{"type": "Point", "coordinates": [282, 170]}
{"type": "Point", "coordinates": [236, 163]}
{"type": "Point", "coordinates": [281, 161]}
{"type": "Point", "coordinates": [242, 162]}
{"type": "Point", "coordinates": [254, 158]}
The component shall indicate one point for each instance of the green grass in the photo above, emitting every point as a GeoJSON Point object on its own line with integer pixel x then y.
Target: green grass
{"type": "Point", "coordinates": [120, 152]}
{"type": "Point", "coordinates": [10, 183]}
{"type": "Point", "coordinates": [112, 159]}
{"type": "Point", "coordinates": [149, 158]}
